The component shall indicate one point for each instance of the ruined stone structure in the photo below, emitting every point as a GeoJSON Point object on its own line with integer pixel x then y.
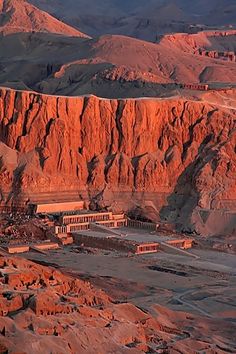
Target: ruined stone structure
{"type": "Point", "coordinates": [230, 56]}
{"type": "Point", "coordinates": [65, 241]}
{"type": "Point", "coordinates": [147, 248]}
{"type": "Point", "coordinates": [50, 208]}
{"type": "Point", "coordinates": [142, 225]}
{"type": "Point", "coordinates": [135, 242]}
{"type": "Point", "coordinates": [115, 243]}
{"type": "Point", "coordinates": [40, 247]}
{"type": "Point", "coordinates": [17, 248]}
{"type": "Point", "coordinates": [82, 221]}
{"type": "Point", "coordinates": [199, 87]}
{"type": "Point", "coordinates": [183, 243]}
{"type": "Point", "coordinates": [46, 246]}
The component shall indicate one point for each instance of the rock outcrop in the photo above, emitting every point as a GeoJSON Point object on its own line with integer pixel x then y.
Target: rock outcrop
{"type": "Point", "coordinates": [45, 311]}
{"type": "Point", "coordinates": [177, 152]}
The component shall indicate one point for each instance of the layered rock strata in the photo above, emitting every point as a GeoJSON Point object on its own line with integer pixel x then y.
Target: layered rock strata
{"type": "Point", "coordinates": [177, 153]}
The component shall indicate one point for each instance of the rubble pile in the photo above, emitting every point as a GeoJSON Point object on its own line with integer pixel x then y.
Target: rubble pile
{"type": "Point", "coordinates": [22, 228]}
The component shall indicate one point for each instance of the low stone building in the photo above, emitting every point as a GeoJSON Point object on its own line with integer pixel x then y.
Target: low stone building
{"type": "Point", "coordinates": [135, 241]}
{"type": "Point", "coordinates": [115, 243]}
{"type": "Point", "coordinates": [13, 249]}
{"type": "Point", "coordinates": [45, 246]}
{"type": "Point", "coordinates": [83, 220]}
{"type": "Point", "coordinates": [49, 208]}
{"type": "Point", "coordinates": [182, 243]}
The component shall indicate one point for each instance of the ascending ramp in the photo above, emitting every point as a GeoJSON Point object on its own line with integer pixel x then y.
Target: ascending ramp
{"type": "Point", "coordinates": [105, 229]}
{"type": "Point", "coordinates": [175, 250]}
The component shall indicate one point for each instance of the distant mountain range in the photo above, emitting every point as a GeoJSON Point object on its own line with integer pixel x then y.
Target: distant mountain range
{"type": "Point", "coordinates": [141, 19]}
{"type": "Point", "coordinates": [33, 56]}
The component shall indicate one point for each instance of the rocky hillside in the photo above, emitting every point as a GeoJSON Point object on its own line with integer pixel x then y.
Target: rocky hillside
{"type": "Point", "coordinates": [178, 153]}
{"type": "Point", "coordinates": [44, 310]}
{"type": "Point", "coordinates": [20, 16]}
{"type": "Point", "coordinates": [116, 66]}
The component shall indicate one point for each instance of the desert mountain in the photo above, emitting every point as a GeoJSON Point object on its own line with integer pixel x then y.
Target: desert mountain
{"type": "Point", "coordinates": [142, 19]}
{"type": "Point", "coordinates": [138, 118]}
{"type": "Point", "coordinates": [111, 65]}
{"type": "Point", "coordinates": [116, 66]}
{"type": "Point", "coordinates": [179, 144]}
{"type": "Point", "coordinates": [20, 16]}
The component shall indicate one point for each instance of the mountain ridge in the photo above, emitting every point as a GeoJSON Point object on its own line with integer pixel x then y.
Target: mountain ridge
{"type": "Point", "coordinates": [140, 19]}
{"type": "Point", "coordinates": [116, 66]}
{"type": "Point", "coordinates": [21, 16]}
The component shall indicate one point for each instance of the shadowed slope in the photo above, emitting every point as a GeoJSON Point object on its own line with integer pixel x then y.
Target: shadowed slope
{"type": "Point", "coordinates": [114, 66]}
{"type": "Point", "coordinates": [142, 19]}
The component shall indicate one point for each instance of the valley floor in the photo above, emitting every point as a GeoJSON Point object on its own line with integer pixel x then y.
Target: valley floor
{"type": "Point", "coordinates": [205, 286]}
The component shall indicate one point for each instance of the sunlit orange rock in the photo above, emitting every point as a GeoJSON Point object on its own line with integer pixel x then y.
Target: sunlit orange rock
{"type": "Point", "coordinates": [181, 150]}
{"type": "Point", "coordinates": [21, 16]}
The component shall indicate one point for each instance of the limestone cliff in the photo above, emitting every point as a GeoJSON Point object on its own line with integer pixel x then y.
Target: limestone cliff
{"type": "Point", "coordinates": [179, 153]}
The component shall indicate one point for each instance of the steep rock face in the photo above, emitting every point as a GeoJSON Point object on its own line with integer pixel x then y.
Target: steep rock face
{"type": "Point", "coordinates": [181, 149]}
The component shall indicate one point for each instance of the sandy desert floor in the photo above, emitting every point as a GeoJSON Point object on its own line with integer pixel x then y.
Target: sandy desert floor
{"type": "Point", "coordinates": [204, 286]}
{"type": "Point", "coordinates": [191, 298]}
